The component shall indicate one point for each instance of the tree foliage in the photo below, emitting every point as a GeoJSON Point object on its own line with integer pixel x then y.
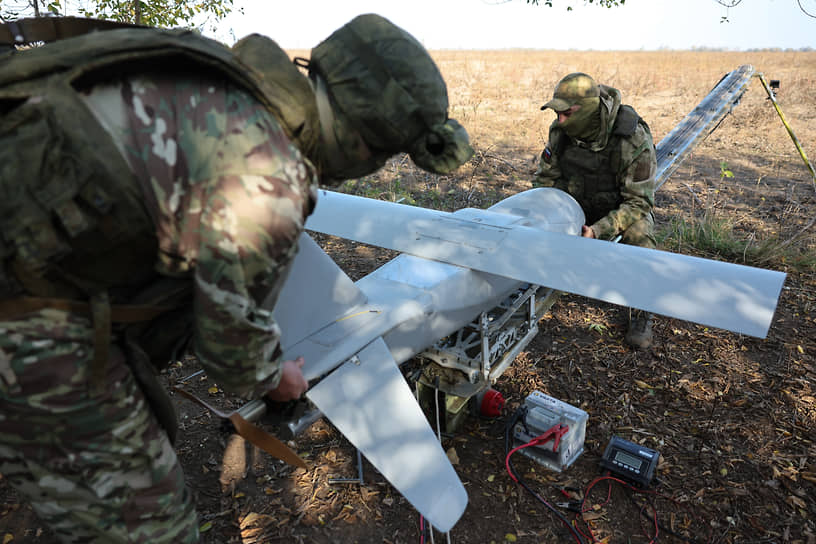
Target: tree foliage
{"type": "Point", "coordinates": [158, 13]}
{"type": "Point", "coordinates": [604, 3]}
{"type": "Point", "coordinates": [810, 12]}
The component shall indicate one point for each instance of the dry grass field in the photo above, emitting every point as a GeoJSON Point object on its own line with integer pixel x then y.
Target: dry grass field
{"type": "Point", "coordinates": [734, 417]}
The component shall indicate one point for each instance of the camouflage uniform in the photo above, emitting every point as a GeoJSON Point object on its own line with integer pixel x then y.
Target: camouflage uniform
{"type": "Point", "coordinates": [603, 155]}
{"type": "Point", "coordinates": [612, 176]}
{"type": "Point", "coordinates": [228, 194]}
{"type": "Point", "coordinates": [212, 185]}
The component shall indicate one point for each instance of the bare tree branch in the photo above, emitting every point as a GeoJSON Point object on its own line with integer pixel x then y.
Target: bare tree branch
{"type": "Point", "coordinates": [805, 11]}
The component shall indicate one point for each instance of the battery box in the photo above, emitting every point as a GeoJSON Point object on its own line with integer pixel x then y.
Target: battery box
{"type": "Point", "coordinates": [542, 414]}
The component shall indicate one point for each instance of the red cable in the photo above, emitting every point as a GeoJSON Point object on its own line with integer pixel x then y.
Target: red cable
{"type": "Point", "coordinates": [507, 460]}
{"type": "Point", "coordinates": [609, 494]}
{"type": "Point", "coordinates": [556, 431]}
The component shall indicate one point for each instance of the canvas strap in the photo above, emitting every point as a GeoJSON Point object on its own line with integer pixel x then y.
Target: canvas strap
{"type": "Point", "coordinates": [252, 433]}
{"type": "Point", "coordinates": [49, 29]}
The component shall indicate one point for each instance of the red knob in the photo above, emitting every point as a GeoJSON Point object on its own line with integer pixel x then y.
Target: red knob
{"type": "Point", "coordinates": [492, 403]}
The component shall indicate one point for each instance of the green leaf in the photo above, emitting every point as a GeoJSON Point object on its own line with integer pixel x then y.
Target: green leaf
{"type": "Point", "coordinates": [597, 327]}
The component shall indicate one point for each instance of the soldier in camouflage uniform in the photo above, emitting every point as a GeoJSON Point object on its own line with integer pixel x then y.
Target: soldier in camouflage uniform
{"type": "Point", "coordinates": [171, 215]}
{"type": "Point", "coordinates": [601, 152]}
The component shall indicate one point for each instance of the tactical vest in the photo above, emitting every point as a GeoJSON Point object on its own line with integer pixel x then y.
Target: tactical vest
{"type": "Point", "coordinates": [592, 176]}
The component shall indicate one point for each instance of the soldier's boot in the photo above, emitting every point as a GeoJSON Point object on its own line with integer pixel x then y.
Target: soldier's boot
{"type": "Point", "coordinates": [639, 334]}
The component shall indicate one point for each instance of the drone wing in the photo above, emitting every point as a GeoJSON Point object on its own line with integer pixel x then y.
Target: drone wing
{"type": "Point", "coordinates": [329, 321]}
{"type": "Point", "coordinates": [713, 293]}
{"type": "Point", "coordinates": [369, 401]}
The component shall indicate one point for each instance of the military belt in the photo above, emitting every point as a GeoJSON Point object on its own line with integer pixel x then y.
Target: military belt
{"type": "Point", "coordinates": [119, 313]}
{"type": "Point", "coordinates": [101, 313]}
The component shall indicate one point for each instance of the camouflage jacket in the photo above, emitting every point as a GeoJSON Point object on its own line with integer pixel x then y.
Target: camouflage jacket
{"type": "Point", "coordinates": [612, 177]}
{"type": "Point", "coordinates": [217, 190]}
{"type": "Point", "coordinates": [229, 194]}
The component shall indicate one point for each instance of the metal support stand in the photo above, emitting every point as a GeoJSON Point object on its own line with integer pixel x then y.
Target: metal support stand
{"type": "Point", "coordinates": [466, 363]}
{"type": "Point", "coordinates": [357, 480]}
{"type": "Point", "coordinates": [772, 97]}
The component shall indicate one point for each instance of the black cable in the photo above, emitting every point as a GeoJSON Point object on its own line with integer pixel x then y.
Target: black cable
{"type": "Point", "coordinates": [518, 415]}
{"type": "Point", "coordinates": [660, 525]}
{"type": "Point", "coordinates": [640, 507]}
{"type": "Point", "coordinates": [513, 420]}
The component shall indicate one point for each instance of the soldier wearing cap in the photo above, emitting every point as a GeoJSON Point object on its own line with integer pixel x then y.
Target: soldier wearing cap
{"type": "Point", "coordinates": [601, 152]}
{"type": "Point", "coordinates": [154, 185]}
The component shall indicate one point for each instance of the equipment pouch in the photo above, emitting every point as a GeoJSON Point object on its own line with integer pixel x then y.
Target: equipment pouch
{"type": "Point", "coordinates": [68, 198]}
{"type": "Point", "coordinates": [36, 174]}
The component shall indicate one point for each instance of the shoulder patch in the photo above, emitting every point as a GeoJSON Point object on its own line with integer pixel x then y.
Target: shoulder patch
{"type": "Point", "coordinates": [546, 155]}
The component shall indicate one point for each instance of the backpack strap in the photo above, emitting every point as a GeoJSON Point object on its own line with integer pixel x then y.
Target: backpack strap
{"type": "Point", "coordinates": [101, 320]}
{"type": "Point", "coordinates": [626, 121]}
{"type": "Point", "coordinates": [625, 125]}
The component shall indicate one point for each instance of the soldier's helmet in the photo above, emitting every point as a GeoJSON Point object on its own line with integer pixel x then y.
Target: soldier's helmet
{"type": "Point", "coordinates": [572, 90]}
{"type": "Point", "coordinates": [386, 84]}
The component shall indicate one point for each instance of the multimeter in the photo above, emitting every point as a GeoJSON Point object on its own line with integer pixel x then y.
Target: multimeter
{"type": "Point", "coordinates": [630, 461]}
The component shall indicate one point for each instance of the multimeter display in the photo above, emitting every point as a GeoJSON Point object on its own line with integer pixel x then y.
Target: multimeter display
{"type": "Point", "coordinates": [630, 461]}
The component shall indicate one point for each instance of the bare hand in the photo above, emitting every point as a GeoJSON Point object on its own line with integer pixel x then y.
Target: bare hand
{"type": "Point", "coordinates": [587, 232]}
{"type": "Point", "coordinates": [292, 383]}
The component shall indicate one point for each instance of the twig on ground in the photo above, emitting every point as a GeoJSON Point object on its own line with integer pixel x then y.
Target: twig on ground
{"type": "Point", "coordinates": [693, 194]}
{"type": "Point", "coordinates": [790, 240]}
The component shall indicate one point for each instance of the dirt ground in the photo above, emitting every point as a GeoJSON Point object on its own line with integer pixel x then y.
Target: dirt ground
{"type": "Point", "coordinates": [733, 417]}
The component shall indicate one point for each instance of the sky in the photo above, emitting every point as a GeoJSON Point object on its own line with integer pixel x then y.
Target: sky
{"type": "Point", "coordinates": [498, 24]}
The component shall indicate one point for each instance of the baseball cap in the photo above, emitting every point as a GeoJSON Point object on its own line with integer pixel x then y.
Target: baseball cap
{"type": "Point", "coordinates": [571, 90]}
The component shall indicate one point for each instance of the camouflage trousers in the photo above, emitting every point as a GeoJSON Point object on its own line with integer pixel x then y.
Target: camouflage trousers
{"type": "Point", "coordinates": [640, 233]}
{"type": "Point", "coordinates": [95, 466]}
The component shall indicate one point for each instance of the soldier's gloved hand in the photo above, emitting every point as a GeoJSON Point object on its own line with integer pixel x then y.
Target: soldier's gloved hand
{"type": "Point", "coordinates": [292, 383]}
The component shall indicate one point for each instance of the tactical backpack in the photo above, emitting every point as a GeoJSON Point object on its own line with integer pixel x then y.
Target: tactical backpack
{"type": "Point", "coordinates": [66, 194]}
{"type": "Point", "coordinates": [61, 178]}
{"type": "Point", "coordinates": [74, 231]}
